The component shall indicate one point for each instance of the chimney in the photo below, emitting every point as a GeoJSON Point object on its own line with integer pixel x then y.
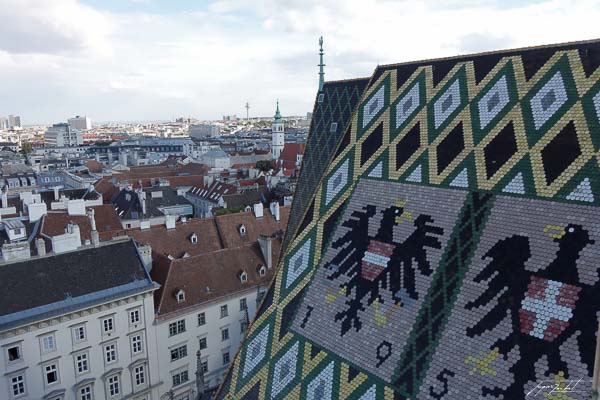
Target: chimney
{"type": "Point", "coordinates": [170, 221]}
{"type": "Point", "coordinates": [56, 196]}
{"type": "Point", "coordinates": [5, 197]}
{"type": "Point", "coordinates": [258, 210]}
{"type": "Point", "coordinates": [40, 246]}
{"type": "Point", "coordinates": [275, 210]}
{"type": "Point", "coordinates": [91, 214]}
{"type": "Point", "coordinates": [142, 196]}
{"type": "Point", "coordinates": [146, 256]}
{"type": "Point", "coordinates": [266, 248]}
{"type": "Point", "coordinates": [95, 238]}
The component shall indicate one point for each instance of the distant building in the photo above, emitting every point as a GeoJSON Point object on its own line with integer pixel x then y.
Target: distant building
{"type": "Point", "coordinates": [277, 131]}
{"type": "Point", "coordinates": [308, 116]}
{"type": "Point", "coordinates": [3, 123]}
{"type": "Point", "coordinates": [80, 123]}
{"type": "Point", "coordinates": [14, 121]}
{"type": "Point", "coordinates": [62, 135]}
{"type": "Point", "coordinates": [204, 130]}
{"type": "Point", "coordinates": [216, 159]}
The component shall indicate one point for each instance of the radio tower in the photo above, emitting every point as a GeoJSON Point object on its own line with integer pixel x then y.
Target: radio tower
{"type": "Point", "coordinates": [247, 111]}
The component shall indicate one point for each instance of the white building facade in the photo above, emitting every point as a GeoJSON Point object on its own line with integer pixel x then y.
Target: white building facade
{"type": "Point", "coordinates": [215, 328]}
{"type": "Point", "coordinates": [80, 123]}
{"type": "Point", "coordinates": [62, 135]}
{"type": "Point", "coordinates": [100, 345]}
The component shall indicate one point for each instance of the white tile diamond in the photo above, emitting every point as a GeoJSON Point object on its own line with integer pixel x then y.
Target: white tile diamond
{"type": "Point", "coordinates": [548, 100]}
{"type": "Point", "coordinates": [596, 100]}
{"type": "Point", "coordinates": [461, 180]}
{"type": "Point", "coordinates": [516, 185]}
{"type": "Point", "coordinates": [285, 370]}
{"type": "Point", "coordinates": [446, 104]}
{"type": "Point", "coordinates": [415, 176]}
{"type": "Point", "coordinates": [583, 192]}
{"type": "Point", "coordinates": [407, 105]}
{"type": "Point", "coordinates": [321, 387]}
{"type": "Point", "coordinates": [298, 263]}
{"type": "Point", "coordinates": [377, 172]}
{"type": "Point", "coordinates": [337, 182]}
{"type": "Point", "coordinates": [373, 106]}
{"type": "Point", "coordinates": [493, 102]}
{"type": "Point", "coordinates": [370, 394]}
{"type": "Point", "coordinates": [256, 350]}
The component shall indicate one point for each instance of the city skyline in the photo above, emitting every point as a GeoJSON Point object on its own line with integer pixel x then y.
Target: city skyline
{"type": "Point", "coordinates": [145, 60]}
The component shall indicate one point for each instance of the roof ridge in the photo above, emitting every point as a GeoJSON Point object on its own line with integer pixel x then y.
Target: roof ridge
{"type": "Point", "coordinates": [485, 53]}
{"type": "Point", "coordinates": [162, 294]}
{"type": "Point", "coordinates": [348, 80]}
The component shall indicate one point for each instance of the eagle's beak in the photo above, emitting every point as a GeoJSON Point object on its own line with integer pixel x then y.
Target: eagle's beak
{"type": "Point", "coordinates": [555, 231]}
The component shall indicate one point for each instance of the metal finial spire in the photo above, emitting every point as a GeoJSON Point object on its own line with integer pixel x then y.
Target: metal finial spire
{"type": "Point", "coordinates": [321, 65]}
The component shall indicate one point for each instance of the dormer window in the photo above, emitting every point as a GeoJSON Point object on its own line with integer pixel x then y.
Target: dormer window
{"type": "Point", "coordinates": [262, 271]}
{"type": "Point", "coordinates": [180, 296]}
{"type": "Point", "coordinates": [242, 229]}
{"type": "Point", "coordinates": [194, 238]}
{"type": "Point", "coordinates": [243, 277]}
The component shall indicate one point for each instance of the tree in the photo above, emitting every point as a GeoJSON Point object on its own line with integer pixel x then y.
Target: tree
{"type": "Point", "coordinates": [26, 148]}
{"type": "Point", "coordinates": [263, 165]}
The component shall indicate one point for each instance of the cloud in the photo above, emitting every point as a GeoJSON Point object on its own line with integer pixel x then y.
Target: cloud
{"type": "Point", "coordinates": [478, 42]}
{"type": "Point", "coordinates": [52, 27]}
{"type": "Point", "coordinates": [60, 57]}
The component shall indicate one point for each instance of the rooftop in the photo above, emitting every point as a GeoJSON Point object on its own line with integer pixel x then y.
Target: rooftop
{"type": "Point", "coordinates": [43, 287]}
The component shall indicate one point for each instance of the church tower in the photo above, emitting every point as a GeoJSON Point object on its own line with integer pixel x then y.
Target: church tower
{"type": "Point", "coordinates": [277, 134]}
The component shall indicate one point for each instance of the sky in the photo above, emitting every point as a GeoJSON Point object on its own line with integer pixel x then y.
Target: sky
{"type": "Point", "coordinates": [126, 60]}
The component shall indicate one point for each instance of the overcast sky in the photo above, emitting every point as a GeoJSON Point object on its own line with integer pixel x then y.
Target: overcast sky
{"type": "Point", "coordinates": [118, 60]}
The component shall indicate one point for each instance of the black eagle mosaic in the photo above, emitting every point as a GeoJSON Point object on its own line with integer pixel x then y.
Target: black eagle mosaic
{"type": "Point", "coordinates": [451, 246]}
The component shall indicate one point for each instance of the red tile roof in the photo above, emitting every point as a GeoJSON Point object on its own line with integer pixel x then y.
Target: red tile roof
{"type": "Point", "coordinates": [176, 242]}
{"type": "Point", "coordinates": [229, 226]}
{"type": "Point", "coordinates": [107, 223]}
{"type": "Point", "coordinates": [209, 276]}
{"type": "Point", "coordinates": [291, 150]}
{"type": "Point", "coordinates": [94, 166]}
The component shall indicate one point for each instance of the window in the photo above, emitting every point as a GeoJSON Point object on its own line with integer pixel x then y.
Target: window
{"type": "Point", "coordinates": [114, 386]}
{"type": "Point", "coordinates": [85, 393]}
{"type": "Point", "coordinates": [81, 361]}
{"type": "Point", "coordinates": [201, 319]}
{"type": "Point", "coordinates": [107, 325]}
{"type": "Point", "coordinates": [17, 384]}
{"type": "Point", "coordinates": [180, 296]}
{"type": "Point", "coordinates": [140, 377]}
{"type": "Point", "coordinates": [262, 271]}
{"type": "Point", "coordinates": [243, 305]}
{"type": "Point", "coordinates": [224, 334]}
{"type": "Point", "coordinates": [321, 97]}
{"type": "Point", "coordinates": [134, 317]}
{"type": "Point", "coordinates": [243, 277]}
{"type": "Point", "coordinates": [178, 352]}
{"type": "Point", "coordinates": [110, 353]}
{"type": "Point", "coordinates": [78, 333]}
{"type": "Point", "coordinates": [177, 327]}
{"type": "Point", "coordinates": [226, 358]}
{"type": "Point", "coordinates": [224, 311]}
{"type": "Point", "coordinates": [260, 296]}
{"type": "Point", "coordinates": [136, 344]}
{"type": "Point", "coordinates": [194, 238]}
{"type": "Point", "coordinates": [51, 373]}
{"type": "Point", "coordinates": [14, 353]}
{"type": "Point", "coordinates": [243, 326]}
{"type": "Point", "coordinates": [48, 343]}
{"type": "Point", "coordinates": [180, 377]}
{"type": "Point", "coordinates": [333, 127]}
{"type": "Point", "coordinates": [203, 343]}
{"type": "Point", "coordinates": [204, 366]}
